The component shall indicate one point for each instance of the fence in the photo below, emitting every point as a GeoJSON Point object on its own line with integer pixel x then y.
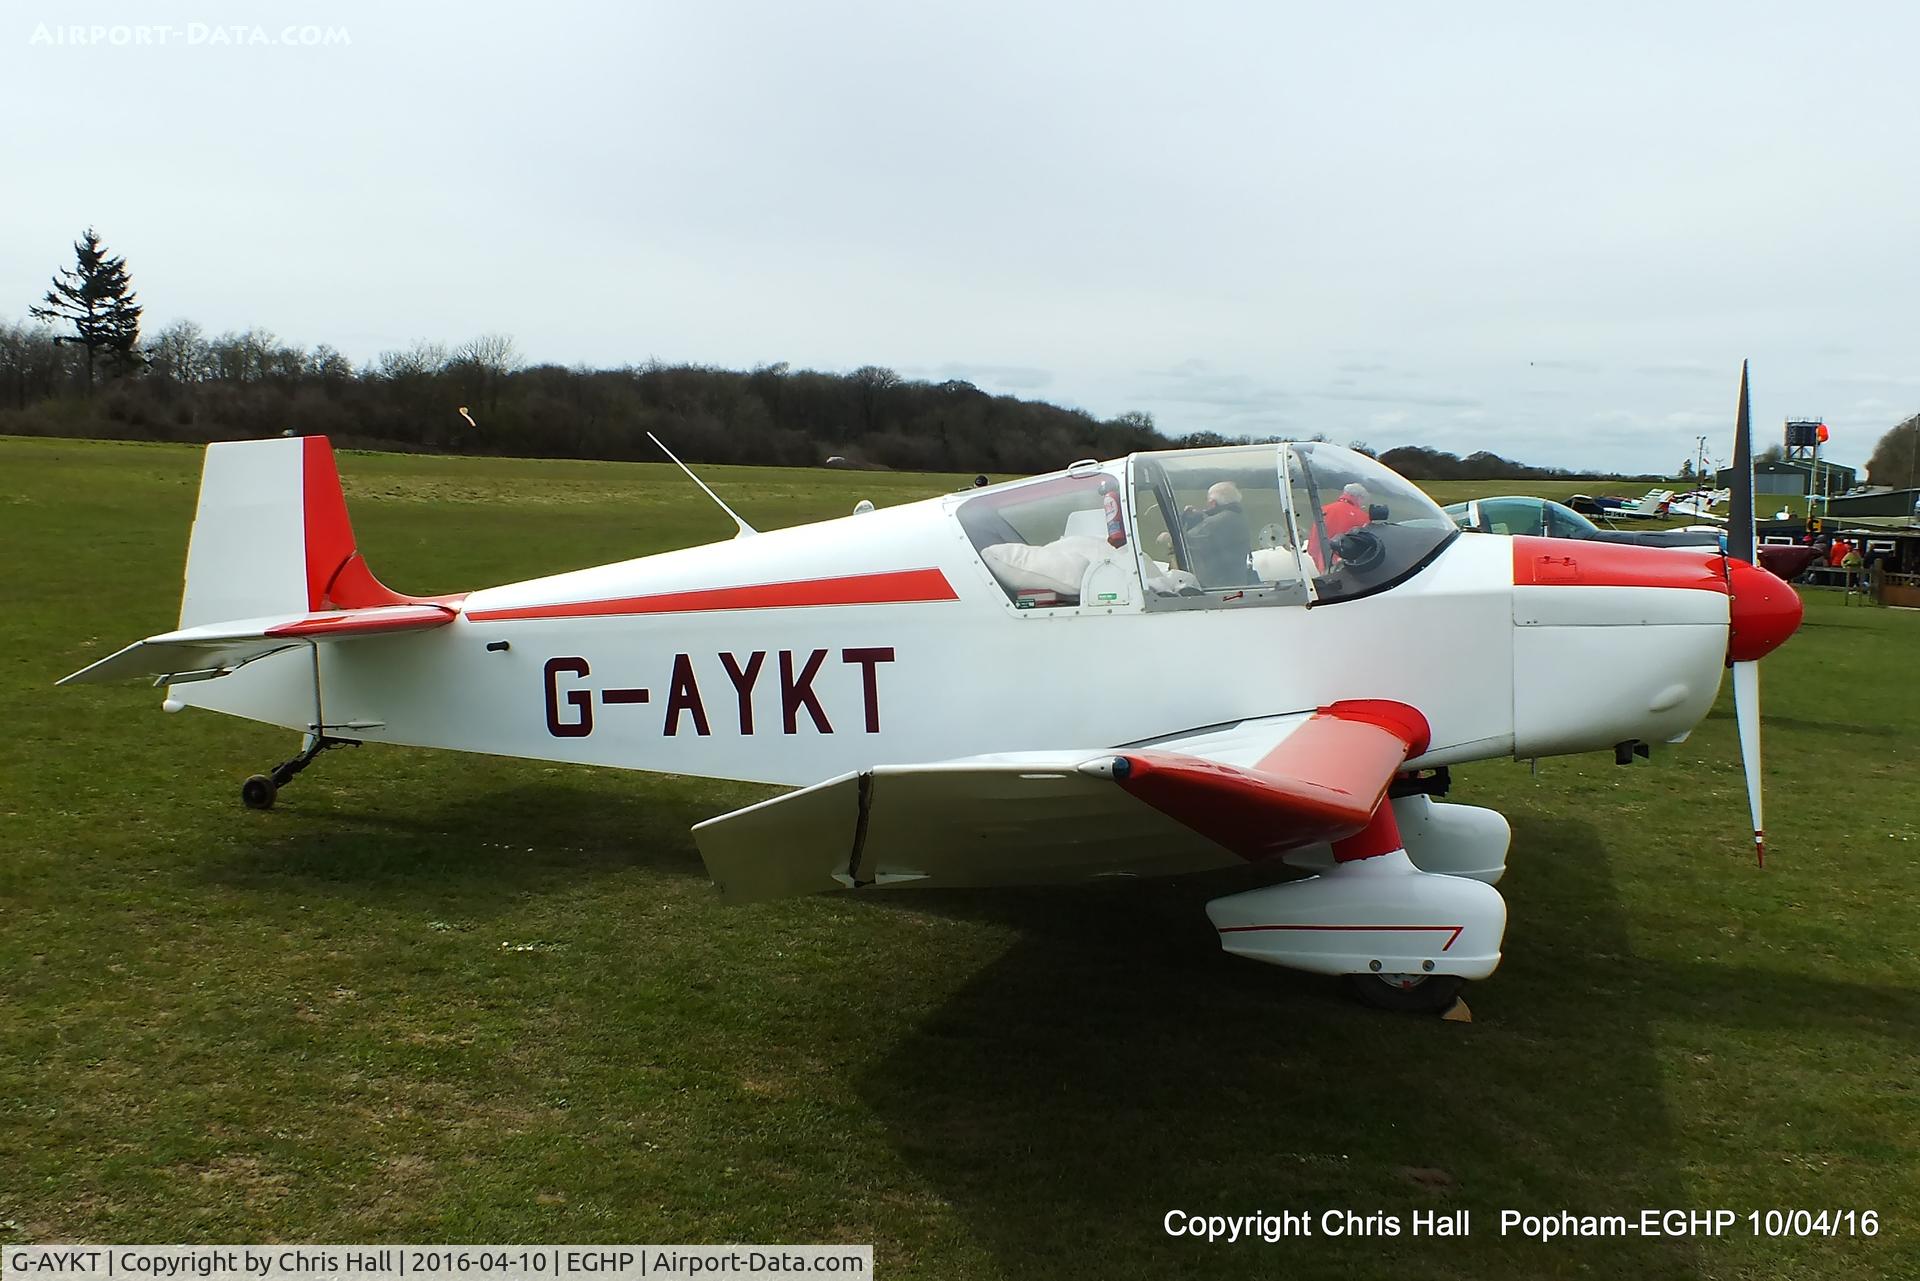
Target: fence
{"type": "Point", "coordinates": [1899, 589]}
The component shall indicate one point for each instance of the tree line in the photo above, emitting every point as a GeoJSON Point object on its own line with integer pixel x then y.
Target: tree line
{"type": "Point", "coordinates": [480, 397]}
{"type": "Point", "coordinates": [84, 369]}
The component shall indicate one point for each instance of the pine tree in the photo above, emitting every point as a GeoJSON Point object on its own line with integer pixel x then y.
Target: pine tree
{"type": "Point", "coordinates": [96, 297]}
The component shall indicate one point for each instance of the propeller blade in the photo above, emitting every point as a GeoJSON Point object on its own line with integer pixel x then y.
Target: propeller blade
{"type": "Point", "coordinates": [1741, 535]}
{"type": "Point", "coordinates": [1742, 539]}
{"type": "Point", "coordinates": [1746, 716]}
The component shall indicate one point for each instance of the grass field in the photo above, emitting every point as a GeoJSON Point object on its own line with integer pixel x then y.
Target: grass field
{"type": "Point", "coordinates": [434, 997]}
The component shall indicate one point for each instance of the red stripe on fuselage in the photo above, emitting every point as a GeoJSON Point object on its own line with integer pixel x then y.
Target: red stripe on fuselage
{"type": "Point", "coordinates": [895, 587]}
{"type": "Point", "coordinates": [1572, 562]}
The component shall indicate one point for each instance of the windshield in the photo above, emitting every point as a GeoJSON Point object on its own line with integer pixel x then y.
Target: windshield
{"type": "Point", "coordinates": [1364, 527]}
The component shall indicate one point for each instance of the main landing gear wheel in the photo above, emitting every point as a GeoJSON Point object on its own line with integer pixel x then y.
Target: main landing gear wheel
{"type": "Point", "coordinates": [1407, 993]}
{"type": "Point", "coordinates": [257, 792]}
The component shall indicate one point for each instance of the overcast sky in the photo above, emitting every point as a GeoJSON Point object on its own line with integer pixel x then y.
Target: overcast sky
{"type": "Point", "coordinates": [1546, 230]}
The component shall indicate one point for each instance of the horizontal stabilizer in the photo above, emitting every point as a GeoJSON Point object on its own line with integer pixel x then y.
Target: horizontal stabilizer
{"type": "Point", "coordinates": [215, 649]}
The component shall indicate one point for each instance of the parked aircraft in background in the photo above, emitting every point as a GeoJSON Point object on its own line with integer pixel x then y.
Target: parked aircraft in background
{"type": "Point", "coordinates": [1168, 663]}
{"type": "Point", "coordinates": [1512, 514]}
{"type": "Point", "coordinates": [1650, 507]}
{"type": "Point", "coordinates": [1516, 514]}
{"type": "Point", "coordinates": [1698, 504]}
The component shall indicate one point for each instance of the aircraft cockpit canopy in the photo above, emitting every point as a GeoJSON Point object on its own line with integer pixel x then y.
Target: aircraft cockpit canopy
{"type": "Point", "coordinates": [1284, 523]}
{"type": "Point", "coordinates": [1272, 524]}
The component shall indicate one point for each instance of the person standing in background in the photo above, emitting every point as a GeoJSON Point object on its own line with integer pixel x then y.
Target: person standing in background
{"type": "Point", "coordinates": [1854, 564]}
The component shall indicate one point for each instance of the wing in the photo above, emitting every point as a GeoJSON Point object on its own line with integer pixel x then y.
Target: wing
{"type": "Point", "coordinates": [215, 649]}
{"type": "Point", "coordinates": [1210, 798]}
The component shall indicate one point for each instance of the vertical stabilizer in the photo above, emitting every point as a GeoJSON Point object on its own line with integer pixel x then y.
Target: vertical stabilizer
{"type": "Point", "coordinates": [271, 536]}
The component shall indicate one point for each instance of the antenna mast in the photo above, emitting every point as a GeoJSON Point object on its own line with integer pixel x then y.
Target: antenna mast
{"type": "Point", "coordinates": [744, 529]}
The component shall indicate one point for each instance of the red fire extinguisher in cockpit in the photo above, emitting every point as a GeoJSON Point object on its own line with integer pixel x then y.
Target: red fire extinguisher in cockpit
{"type": "Point", "coordinates": [1110, 501]}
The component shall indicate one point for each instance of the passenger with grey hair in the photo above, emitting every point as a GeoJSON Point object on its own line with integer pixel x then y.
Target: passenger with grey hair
{"type": "Point", "coordinates": [1219, 540]}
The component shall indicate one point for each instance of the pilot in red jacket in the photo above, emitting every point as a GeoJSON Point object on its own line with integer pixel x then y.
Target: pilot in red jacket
{"type": "Point", "coordinates": [1345, 513]}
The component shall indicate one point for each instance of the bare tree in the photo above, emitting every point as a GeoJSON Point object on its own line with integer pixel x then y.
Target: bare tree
{"type": "Point", "coordinates": [483, 365]}
{"type": "Point", "coordinates": [325, 361]}
{"type": "Point", "coordinates": [32, 366]}
{"type": "Point", "coordinates": [871, 382]}
{"type": "Point", "coordinates": [420, 359]}
{"type": "Point", "coordinates": [251, 356]}
{"type": "Point", "coordinates": [490, 351]}
{"type": "Point", "coordinates": [180, 352]}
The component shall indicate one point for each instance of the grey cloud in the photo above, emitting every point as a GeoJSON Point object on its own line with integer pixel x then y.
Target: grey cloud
{"type": "Point", "coordinates": [1872, 380]}
{"type": "Point", "coordinates": [1198, 383]}
{"type": "Point", "coordinates": [1013, 377]}
{"type": "Point", "coordinates": [1018, 377]}
{"type": "Point", "coordinates": [1398, 398]}
{"type": "Point", "coordinates": [1681, 369]}
{"type": "Point", "coordinates": [1227, 397]}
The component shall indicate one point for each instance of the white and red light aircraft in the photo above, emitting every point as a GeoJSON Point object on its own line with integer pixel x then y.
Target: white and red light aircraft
{"type": "Point", "coordinates": [1172, 662]}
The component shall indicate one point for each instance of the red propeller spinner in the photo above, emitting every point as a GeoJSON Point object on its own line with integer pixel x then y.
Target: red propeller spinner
{"type": "Point", "coordinates": [1763, 613]}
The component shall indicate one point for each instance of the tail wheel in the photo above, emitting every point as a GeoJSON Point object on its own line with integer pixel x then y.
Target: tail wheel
{"type": "Point", "coordinates": [257, 792]}
{"type": "Point", "coordinates": [1407, 993]}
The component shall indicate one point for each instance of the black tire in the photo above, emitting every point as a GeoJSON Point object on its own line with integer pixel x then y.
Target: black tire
{"type": "Point", "coordinates": [1428, 994]}
{"type": "Point", "coordinates": [258, 792]}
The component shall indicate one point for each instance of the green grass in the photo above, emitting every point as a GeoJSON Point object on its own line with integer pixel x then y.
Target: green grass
{"type": "Point", "coordinates": [434, 997]}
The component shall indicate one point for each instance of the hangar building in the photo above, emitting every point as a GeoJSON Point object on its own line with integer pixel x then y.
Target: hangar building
{"type": "Point", "coordinates": [1789, 477]}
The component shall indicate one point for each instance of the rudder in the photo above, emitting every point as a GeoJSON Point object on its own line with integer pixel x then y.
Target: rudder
{"type": "Point", "coordinates": [271, 535]}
